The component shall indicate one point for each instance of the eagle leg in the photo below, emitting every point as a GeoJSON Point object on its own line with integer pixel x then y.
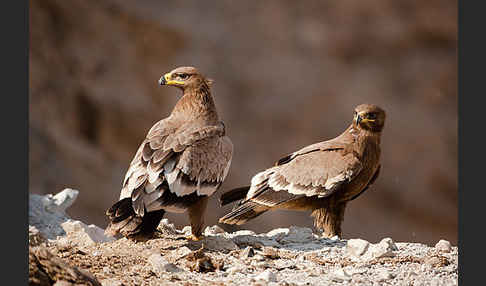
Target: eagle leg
{"type": "Point", "coordinates": [196, 217]}
{"type": "Point", "coordinates": [329, 218]}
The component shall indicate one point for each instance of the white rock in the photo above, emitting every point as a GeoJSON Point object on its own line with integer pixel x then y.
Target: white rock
{"type": "Point", "coordinates": [219, 243]}
{"type": "Point", "coordinates": [166, 227]}
{"type": "Point", "coordinates": [86, 234]}
{"type": "Point", "coordinates": [258, 257]}
{"type": "Point", "coordinates": [267, 276]}
{"type": "Point", "coordinates": [356, 247]}
{"type": "Point", "coordinates": [62, 200]}
{"type": "Point", "coordinates": [235, 269]}
{"type": "Point", "coordinates": [160, 265]}
{"type": "Point", "coordinates": [383, 275]}
{"type": "Point", "coordinates": [298, 235]}
{"type": "Point", "coordinates": [44, 215]}
{"type": "Point", "coordinates": [247, 252]}
{"type": "Point", "coordinates": [443, 246]}
{"type": "Point", "coordinates": [180, 252]}
{"type": "Point", "coordinates": [248, 239]}
{"type": "Point", "coordinates": [340, 275]}
{"type": "Point", "coordinates": [243, 232]}
{"type": "Point", "coordinates": [278, 233]}
{"type": "Point", "coordinates": [388, 243]}
{"type": "Point", "coordinates": [435, 282]}
{"type": "Point", "coordinates": [385, 248]}
{"type": "Point", "coordinates": [213, 230]}
{"type": "Point", "coordinates": [186, 230]}
{"type": "Point", "coordinates": [111, 282]}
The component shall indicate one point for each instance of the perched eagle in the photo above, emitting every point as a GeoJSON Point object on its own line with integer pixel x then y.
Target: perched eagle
{"type": "Point", "coordinates": [321, 177]}
{"type": "Point", "coordinates": [181, 162]}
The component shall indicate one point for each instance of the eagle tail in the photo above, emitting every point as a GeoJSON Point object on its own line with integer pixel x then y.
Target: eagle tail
{"type": "Point", "coordinates": [233, 195]}
{"type": "Point", "coordinates": [124, 220]}
{"type": "Point", "coordinates": [243, 213]}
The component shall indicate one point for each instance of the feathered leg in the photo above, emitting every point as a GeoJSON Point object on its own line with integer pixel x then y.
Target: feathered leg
{"type": "Point", "coordinates": [329, 218]}
{"type": "Point", "coordinates": [196, 217]}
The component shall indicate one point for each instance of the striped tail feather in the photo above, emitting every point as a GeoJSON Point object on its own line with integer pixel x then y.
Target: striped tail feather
{"type": "Point", "coordinates": [233, 195]}
{"type": "Point", "coordinates": [243, 213]}
{"type": "Point", "coordinates": [124, 221]}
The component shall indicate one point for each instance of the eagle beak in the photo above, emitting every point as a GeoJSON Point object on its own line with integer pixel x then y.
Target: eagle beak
{"type": "Point", "coordinates": [358, 119]}
{"type": "Point", "coordinates": [164, 80]}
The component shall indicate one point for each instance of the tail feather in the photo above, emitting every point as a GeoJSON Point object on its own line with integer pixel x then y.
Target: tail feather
{"type": "Point", "coordinates": [233, 195]}
{"type": "Point", "coordinates": [245, 212]}
{"type": "Point", "coordinates": [124, 220]}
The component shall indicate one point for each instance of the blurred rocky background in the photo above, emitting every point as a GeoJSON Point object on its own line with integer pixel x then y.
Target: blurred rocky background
{"type": "Point", "coordinates": [287, 74]}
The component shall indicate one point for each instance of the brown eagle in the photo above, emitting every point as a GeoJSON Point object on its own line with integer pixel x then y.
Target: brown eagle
{"type": "Point", "coordinates": [321, 177]}
{"type": "Point", "coordinates": [181, 162]}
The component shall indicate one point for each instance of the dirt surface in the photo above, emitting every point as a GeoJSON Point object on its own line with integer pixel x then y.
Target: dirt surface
{"type": "Point", "coordinates": [293, 256]}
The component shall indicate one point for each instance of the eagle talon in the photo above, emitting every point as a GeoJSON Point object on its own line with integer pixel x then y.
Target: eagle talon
{"type": "Point", "coordinates": [192, 237]}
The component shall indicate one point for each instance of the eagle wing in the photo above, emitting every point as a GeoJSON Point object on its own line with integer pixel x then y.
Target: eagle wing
{"type": "Point", "coordinates": [317, 170]}
{"type": "Point", "coordinates": [178, 160]}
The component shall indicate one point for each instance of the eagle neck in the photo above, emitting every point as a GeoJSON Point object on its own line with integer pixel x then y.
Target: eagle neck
{"type": "Point", "coordinates": [196, 104]}
{"type": "Point", "coordinates": [367, 141]}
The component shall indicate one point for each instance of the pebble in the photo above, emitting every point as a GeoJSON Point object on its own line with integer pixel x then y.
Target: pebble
{"type": "Point", "coordinates": [385, 248]}
{"type": "Point", "coordinates": [356, 247]}
{"type": "Point", "coordinates": [219, 243]}
{"type": "Point", "coordinates": [443, 246]}
{"type": "Point", "coordinates": [111, 282]}
{"type": "Point", "coordinates": [384, 275]}
{"type": "Point", "coordinates": [248, 252]}
{"type": "Point", "coordinates": [186, 230]}
{"type": "Point", "coordinates": [297, 235]}
{"type": "Point", "coordinates": [63, 200]}
{"type": "Point", "coordinates": [235, 269]}
{"type": "Point", "coordinates": [340, 275]}
{"type": "Point", "coordinates": [213, 230]}
{"type": "Point", "coordinates": [85, 234]}
{"type": "Point", "coordinates": [160, 265]}
{"type": "Point", "coordinates": [267, 276]}
{"type": "Point", "coordinates": [432, 261]}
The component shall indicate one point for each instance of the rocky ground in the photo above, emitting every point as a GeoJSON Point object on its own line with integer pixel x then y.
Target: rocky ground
{"type": "Point", "coordinates": [82, 255]}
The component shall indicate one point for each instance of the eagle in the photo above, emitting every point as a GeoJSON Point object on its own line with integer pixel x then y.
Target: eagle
{"type": "Point", "coordinates": [321, 178]}
{"type": "Point", "coordinates": [182, 161]}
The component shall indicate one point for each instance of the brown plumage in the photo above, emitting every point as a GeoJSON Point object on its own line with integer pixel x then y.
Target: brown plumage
{"type": "Point", "coordinates": [321, 177]}
{"type": "Point", "coordinates": [181, 162]}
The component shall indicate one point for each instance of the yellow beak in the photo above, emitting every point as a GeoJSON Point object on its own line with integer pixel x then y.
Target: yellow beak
{"type": "Point", "coordinates": [166, 80]}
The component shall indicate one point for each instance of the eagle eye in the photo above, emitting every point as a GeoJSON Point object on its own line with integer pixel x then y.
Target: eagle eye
{"type": "Point", "coordinates": [372, 115]}
{"type": "Point", "coordinates": [183, 75]}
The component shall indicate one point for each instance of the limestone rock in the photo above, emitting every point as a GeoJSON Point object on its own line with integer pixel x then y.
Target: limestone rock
{"type": "Point", "coordinates": [85, 234]}
{"type": "Point", "coordinates": [160, 266]}
{"type": "Point", "coordinates": [213, 230]}
{"type": "Point", "coordinates": [167, 228]}
{"type": "Point", "coordinates": [340, 275]}
{"type": "Point", "coordinates": [443, 246]}
{"type": "Point", "coordinates": [297, 235]}
{"type": "Point", "coordinates": [47, 212]}
{"type": "Point", "coordinates": [384, 275]}
{"type": "Point", "coordinates": [267, 276]}
{"type": "Point", "coordinates": [385, 248]}
{"type": "Point", "coordinates": [356, 247]}
{"type": "Point", "coordinates": [219, 243]}
{"type": "Point", "coordinates": [248, 252]}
